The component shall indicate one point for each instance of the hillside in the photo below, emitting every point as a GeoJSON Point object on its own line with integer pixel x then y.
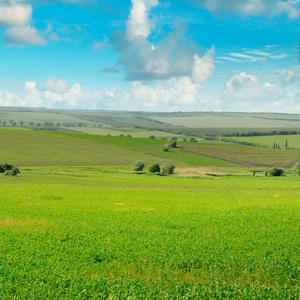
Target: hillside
{"type": "Point", "coordinates": [38, 148]}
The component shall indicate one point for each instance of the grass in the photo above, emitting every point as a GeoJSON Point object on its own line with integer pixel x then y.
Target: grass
{"type": "Point", "coordinates": [293, 140]}
{"type": "Point", "coordinates": [97, 233]}
{"type": "Point", "coordinates": [245, 155]}
{"type": "Point", "coordinates": [33, 148]}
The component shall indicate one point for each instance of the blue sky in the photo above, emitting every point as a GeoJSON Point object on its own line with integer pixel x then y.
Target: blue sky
{"type": "Point", "coordinates": [151, 55]}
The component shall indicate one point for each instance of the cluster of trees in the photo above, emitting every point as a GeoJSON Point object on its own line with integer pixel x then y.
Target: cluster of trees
{"type": "Point", "coordinates": [9, 169]}
{"type": "Point", "coordinates": [258, 133]}
{"type": "Point", "coordinates": [243, 143]}
{"type": "Point", "coordinates": [163, 170]}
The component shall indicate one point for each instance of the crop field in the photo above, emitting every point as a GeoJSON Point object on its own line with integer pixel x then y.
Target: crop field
{"type": "Point", "coordinates": [292, 140]}
{"type": "Point", "coordinates": [230, 120]}
{"type": "Point", "coordinates": [97, 233]}
{"type": "Point", "coordinates": [36, 148]}
{"type": "Point", "coordinates": [245, 155]}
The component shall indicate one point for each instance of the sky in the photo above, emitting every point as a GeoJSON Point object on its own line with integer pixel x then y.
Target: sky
{"type": "Point", "coordinates": [151, 55]}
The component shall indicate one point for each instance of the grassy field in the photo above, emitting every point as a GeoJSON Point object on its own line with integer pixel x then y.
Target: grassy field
{"type": "Point", "coordinates": [96, 233]}
{"type": "Point", "coordinates": [230, 120]}
{"type": "Point", "coordinates": [293, 140]}
{"type": "Point", "coordinates": [36, 148]}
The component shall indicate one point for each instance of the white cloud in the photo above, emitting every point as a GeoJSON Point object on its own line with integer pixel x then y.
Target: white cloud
{"type": "Point", "coordinates": [32, 95]}
{"type": "Point", "coordinates": [289, 76]}
{"type": "Point", "coordinates": [175, 55]}
{"type": "Point", "coordinates": [24, 35]}
{"type": "Point", "coordinates": [203, 66]}
{"type": "Point", "coordinates": [14, 13]}
{"type": "Point", "coordinates": [139, 23]}
{"type": "Point", "coordinates": [56, 85]}
{"type": "Point", "coordinates": [246, 8]}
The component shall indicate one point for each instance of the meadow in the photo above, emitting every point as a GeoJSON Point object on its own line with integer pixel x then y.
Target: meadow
{"type": "Point", "coordinates": [292, 140]}
{"type": "Point", "coordinates": [102, 233]}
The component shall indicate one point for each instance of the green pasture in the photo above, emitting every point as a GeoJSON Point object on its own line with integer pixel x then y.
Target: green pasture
{"type": "Point", "coordinates": [292, 140]}
{"type": "Point", "coordinates": [38, 148]}
{"type": "Point", "coordinates": [96, 233]}
{"type": "Point", "coordinates": [230, 120]}
{"type": "Point", "coordinates": [136, 133]}
{"type": "Point", "coordinates": [246, 155]}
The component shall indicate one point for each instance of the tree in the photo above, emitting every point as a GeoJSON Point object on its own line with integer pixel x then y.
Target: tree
{"type": "Point", "coordinates": [138, 166]}
{"type": "Point", "coordinates": [31, 123]}
{"type": "Point", "coordinates": [4, 123]}
{"type": "Point", "coordinates": [154, 168]}
{"type": "Point", "coordinates": [193, 140]}
{"type": "Point", "coordinates": [167, 169]}
{"type": "Point", "coordinates": [152, 137]}
{"type": "Point", "coordinates": [276, 172]}
{"type": "Point", "coordinates": [11, 122]}
{"type": "Point", "coordinates": [21, 123]}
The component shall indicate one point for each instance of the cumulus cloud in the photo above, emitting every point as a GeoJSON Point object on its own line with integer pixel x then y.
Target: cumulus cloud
{"type": "Point", "coordinates": [24, 35]}
{"type": "Point", "coordinates": [173, 56]}
{"type": "Point", "coordinates": [246, 8]}
{"type": "Point", "coordinates": [245, 92]}
{"type": "Point", "coordinates": [14, 13]}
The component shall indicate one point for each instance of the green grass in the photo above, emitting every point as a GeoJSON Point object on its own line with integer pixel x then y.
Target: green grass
{"type": "Point", "coordinates": [246, 155]}
{"type": "Point", "coordinates": [293, 140]}
{"type": "Point", "coordinates": [35, 148]}
{"type": "Point", "coordinates": [230, 120]}
{"type": "Point", "coordinates": [91, 233]}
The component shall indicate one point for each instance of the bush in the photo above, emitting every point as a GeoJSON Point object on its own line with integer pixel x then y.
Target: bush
{"type": "Point", "coordinates": [276, 172]}
{"type": "Point", "coordinates": [167, 169]}
{"type": "Point", "coordinates": [173, 144]}
{"type": "Point", "coordinates": [152, 137]}
{"type": "Point", "coordinates": [193, 140]}
{"type": "Point", "coordinates": [13, 172]}
{"type": "Point", "coordinates": [138, 166]}
{"type": "Point", "coordinates": [154, 168]}
{"type": "Point", "coordinates": [165, 147]}
{"type": "Point", "coordinates": [5, 167]}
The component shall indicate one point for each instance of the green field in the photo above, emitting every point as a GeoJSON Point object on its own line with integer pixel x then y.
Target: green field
{"type": "Point", "coordinates": [36, 148]}
{"type": "Point", "coordinates": [78, 223]}
{"type": "Point", "coordinates": [292, 140]}
{"type": "Point", "coordinates": [229, 120]}
{"type": "Point", "coordinates": [91, 233]}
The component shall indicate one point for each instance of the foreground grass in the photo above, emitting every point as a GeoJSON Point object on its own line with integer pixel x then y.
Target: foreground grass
{"type": "Point", "coordinates": [88, 233]}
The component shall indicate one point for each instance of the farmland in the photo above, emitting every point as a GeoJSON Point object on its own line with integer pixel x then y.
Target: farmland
{"type": "Point", "coordinates": [96, 233]}
{"type": "Point", "coordinates": [78, 223]}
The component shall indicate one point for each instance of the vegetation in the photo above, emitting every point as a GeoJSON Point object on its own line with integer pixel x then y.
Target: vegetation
{"type": "Point", "coordinates": [138, 166]}
{"type": "Point", "coordinates": [95, 233]}
{"type": "Point", "coordinates": [154, 168]}
{"type": "Point", "coordinates": [167, 169]}
{"type": "Point", "coordinates": [276, 172]}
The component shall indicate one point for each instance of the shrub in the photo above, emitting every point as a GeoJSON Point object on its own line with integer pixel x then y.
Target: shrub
{"type": "Point", "coordinates": [193, 140]}
{"type": "Point", "coordinates": [276, 172]}
{"type": "Point", "coordinates": [266, 173]}
{"type": "Point", "coordinates": [299, 172]}
{"type": "Point", "coordinates": [152, 137]}
{"type": "Point", "coordinates": [12, 172]}
{"type": "Point", "coordinates": [173, 144]}
{"type": "Point", "coordinates": [5, 167]}
{"type": "Point", "coordinates": [167, 169]}
{"type": "Point", "coordinates": [154, 168]}
{"type": "Point", "coordinates": [138, 166]}
{"type": "Point", "coordinates": [165, 147]}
